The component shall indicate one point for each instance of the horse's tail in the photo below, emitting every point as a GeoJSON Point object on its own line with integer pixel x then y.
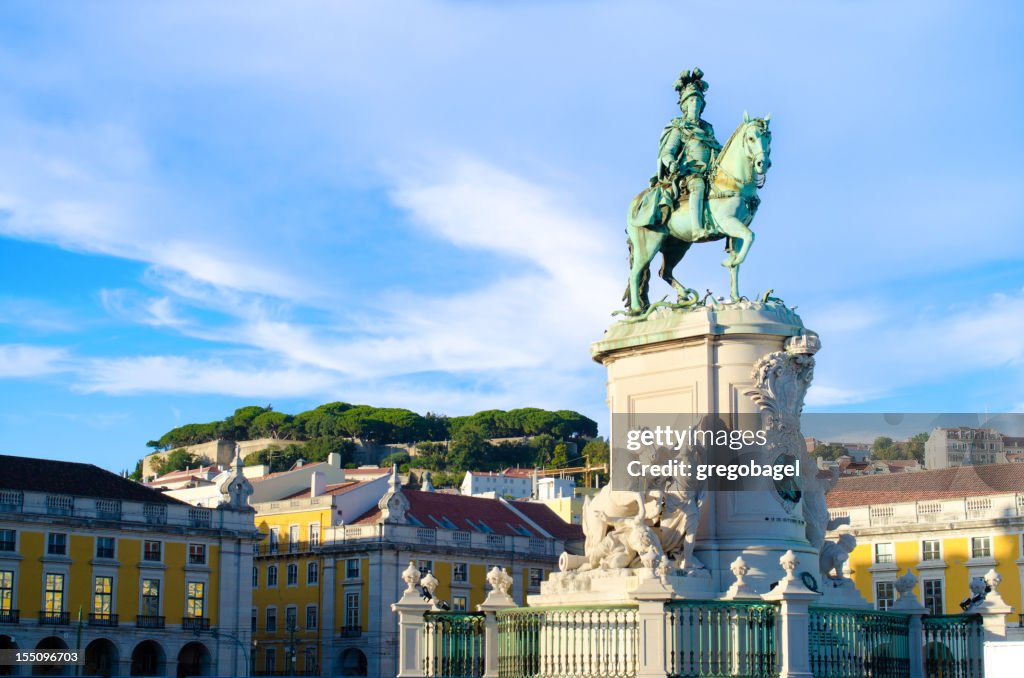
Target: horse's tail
{"type": "Point", "coordinates": [645, 276]}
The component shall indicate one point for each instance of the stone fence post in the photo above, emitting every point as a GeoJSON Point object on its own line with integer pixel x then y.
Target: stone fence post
{"type": "Point", "coordinates": [498, 598]}
{"type": "Point", "coordinates": [651, 597]}
{"type": "Point", "coordinates": [993, 609]}
{"type": "Point", "coordinates": [908, 604]}
{"type": "Point", "coordinates": [795, 599]}
{"type": "Point", "coordinates": [411, 608]}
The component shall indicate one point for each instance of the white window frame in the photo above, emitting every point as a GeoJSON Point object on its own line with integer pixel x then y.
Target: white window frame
{"type": "Point", "coordinates": [878, 597]}
{"type": "Point", "coordinates": [266, 619]}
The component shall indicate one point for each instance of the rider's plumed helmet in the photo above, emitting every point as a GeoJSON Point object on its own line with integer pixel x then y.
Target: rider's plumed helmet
{"type": "Point", "coordinates": [691, 84]}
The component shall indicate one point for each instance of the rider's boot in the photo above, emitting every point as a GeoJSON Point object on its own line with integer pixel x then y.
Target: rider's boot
{"type": "Point", "coordinates": [696, 187]}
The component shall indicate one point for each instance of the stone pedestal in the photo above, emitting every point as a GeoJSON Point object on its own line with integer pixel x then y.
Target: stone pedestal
{"type": "Point", "coordinates": [613, 587]}
{"type": "Point", "coordinates": [702, 362]}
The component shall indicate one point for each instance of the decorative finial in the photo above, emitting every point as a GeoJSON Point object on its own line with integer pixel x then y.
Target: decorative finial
{"type": "Point", "coordinates": [429, 583]}
{"type": "Point", "coordinates": [789, 562]}
{"type": "Point", "coordinates": [739, 569]}
{"type": "Point", "coordinates": [993, 579]}
{"type": "Point", "coordinates": [905, 584]}
{"type": "Point", "coordinates": [411, 577]}
{"type": "Point", "coordinates": [500, 580]}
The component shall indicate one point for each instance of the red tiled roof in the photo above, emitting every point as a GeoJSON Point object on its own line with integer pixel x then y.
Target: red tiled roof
{"type": "Point", "coordinates": [948, 483]}
{"type": "Point", "coordinates": [432, 508]}
{"type": "Point", "coordinates": [548, 520]}
{"type": "Point", "coordinates": [519, 472]}
{"type": "Point", "coordinates": [362, 471]}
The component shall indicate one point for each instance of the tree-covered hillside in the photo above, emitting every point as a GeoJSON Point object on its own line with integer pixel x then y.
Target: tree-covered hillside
{"type": "Point", "coordinates": [447, 444]}
{"type": "Point", "coordinates": [381, 425]}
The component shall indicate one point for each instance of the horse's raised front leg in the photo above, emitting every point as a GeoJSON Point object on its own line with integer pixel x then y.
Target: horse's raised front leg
{"type": "Point", "coordinates": [740, 240]}
{"type": "Point", "coordinates": [724, 211]}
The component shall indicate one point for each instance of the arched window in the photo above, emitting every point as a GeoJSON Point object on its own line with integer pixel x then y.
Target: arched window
{"type": "Point", "coordinates": [271, 576]}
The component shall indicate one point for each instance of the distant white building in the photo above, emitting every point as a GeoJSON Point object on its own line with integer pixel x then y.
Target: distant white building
{"type": "Point", "coordinates": [555, 488]}
{"type": "Point", "coordinates": [513, 482]}
{"type": "Point", "coordinates": [963, 446]}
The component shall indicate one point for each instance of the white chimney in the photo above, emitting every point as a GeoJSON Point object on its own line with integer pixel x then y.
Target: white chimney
{"type": "Point", "coordinates": [334, 459]}
{"type": "Point", "coordinates": [317, 484]}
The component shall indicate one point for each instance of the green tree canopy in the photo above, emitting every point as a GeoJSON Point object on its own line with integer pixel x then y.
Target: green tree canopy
{"type": "Point", "coordinates": [596, 452]}
{"type": "Point", "coordinates": [175, 460]}
{"type": "Point", "coordinates": [830, 451]}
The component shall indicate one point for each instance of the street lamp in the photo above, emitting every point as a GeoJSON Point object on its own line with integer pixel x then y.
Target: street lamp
{"type": "Point", "coordinates": [217, 633]}
{"type": "Point", "coordinates": [292, 654]}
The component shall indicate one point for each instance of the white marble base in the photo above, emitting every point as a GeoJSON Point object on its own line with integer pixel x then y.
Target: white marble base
{"type": "Point", "coordinates": [617, 586]}
{"type": "Point", "coordinates": [842, 593]}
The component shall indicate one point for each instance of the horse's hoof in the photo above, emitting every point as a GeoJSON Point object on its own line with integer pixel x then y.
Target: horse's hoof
{"type": "Point", "coordinates": [728, 262]}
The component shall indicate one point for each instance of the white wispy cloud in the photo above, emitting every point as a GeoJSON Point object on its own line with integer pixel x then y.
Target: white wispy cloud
{"type": "Point", "coordinates": [878, 353]}
{"type": "Point", "coordinates": [23, 360]}
{"type": "Point", "coordinates": [176, 374]}
{"type": "Point", "coordinates": [91, 188]}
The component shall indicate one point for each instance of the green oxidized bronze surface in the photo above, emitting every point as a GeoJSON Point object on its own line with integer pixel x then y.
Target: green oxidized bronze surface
{"type": "Point", "coordinates": [702, 191]}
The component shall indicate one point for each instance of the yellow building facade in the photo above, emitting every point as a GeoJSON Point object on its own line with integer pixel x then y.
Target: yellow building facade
{"type": "Point", "coordinates": [323, 585]}
{"type": "Point", "coordinates": [140, 583]}
{"type": "Point", "coordinates": [947, 527]}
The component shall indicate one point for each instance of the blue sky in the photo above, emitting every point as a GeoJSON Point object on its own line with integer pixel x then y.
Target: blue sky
{"type": "Point", "coordinates": [421, 204]}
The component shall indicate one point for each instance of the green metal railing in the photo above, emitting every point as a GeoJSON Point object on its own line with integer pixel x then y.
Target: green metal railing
{"type": "Point", "coordinates": [953, 646]}
{"type": "Point", "coordinates": [721, 638]}
{"type": "Point", "coordinates": [453, 644]}
{"type": "Point", "coordinates": [556, 642]}
{"type": "Point", "coordinates": [849, 643]}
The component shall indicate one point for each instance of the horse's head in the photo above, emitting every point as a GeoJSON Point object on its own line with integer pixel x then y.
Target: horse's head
{"type": "Point", "coordinates": [757, 144]}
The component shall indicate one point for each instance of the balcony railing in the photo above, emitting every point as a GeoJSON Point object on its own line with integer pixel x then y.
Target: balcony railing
{"type": "Point", "coordinates": [285, 547]}
{"type": "Point", "coordinates": [195, 623]}
{"type": "Point", "coordinates": [149, 621]}
{"type": "Point", "coordinates": [351, 631]}
{"type": "Point", "coordinates": [102, 619]}
{"type": "Point", "coordinates": [155, 514]}
{"type": "Point", "coordinates": [53, 618]}
{"type": "Point", "coordinates": [199, 517]}
{"type": "Point", "coordinates": [60, 505]}
{"type": "Point", "coordinates": [9, 617]}
{"type": "Point", "coordinates": [108, 509]}
{"type": "Point", "coordinates": [406, 534]}
{"type": "Point", "coordinates": [11, 501]}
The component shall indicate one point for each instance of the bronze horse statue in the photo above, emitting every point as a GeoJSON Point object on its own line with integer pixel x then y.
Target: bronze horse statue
{"type": "Point", "coordinates": [731, 204]}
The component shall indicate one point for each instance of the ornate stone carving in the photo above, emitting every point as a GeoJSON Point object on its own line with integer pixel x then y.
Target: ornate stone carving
{"type": "Point", "coordinates": [835, 555]}
{"type": "Point", "coordinates": [237, 489]}
{"type": "Point", "coordinates": [781, 380]}
{"type": "Point", "coordinates": [393, 505]}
